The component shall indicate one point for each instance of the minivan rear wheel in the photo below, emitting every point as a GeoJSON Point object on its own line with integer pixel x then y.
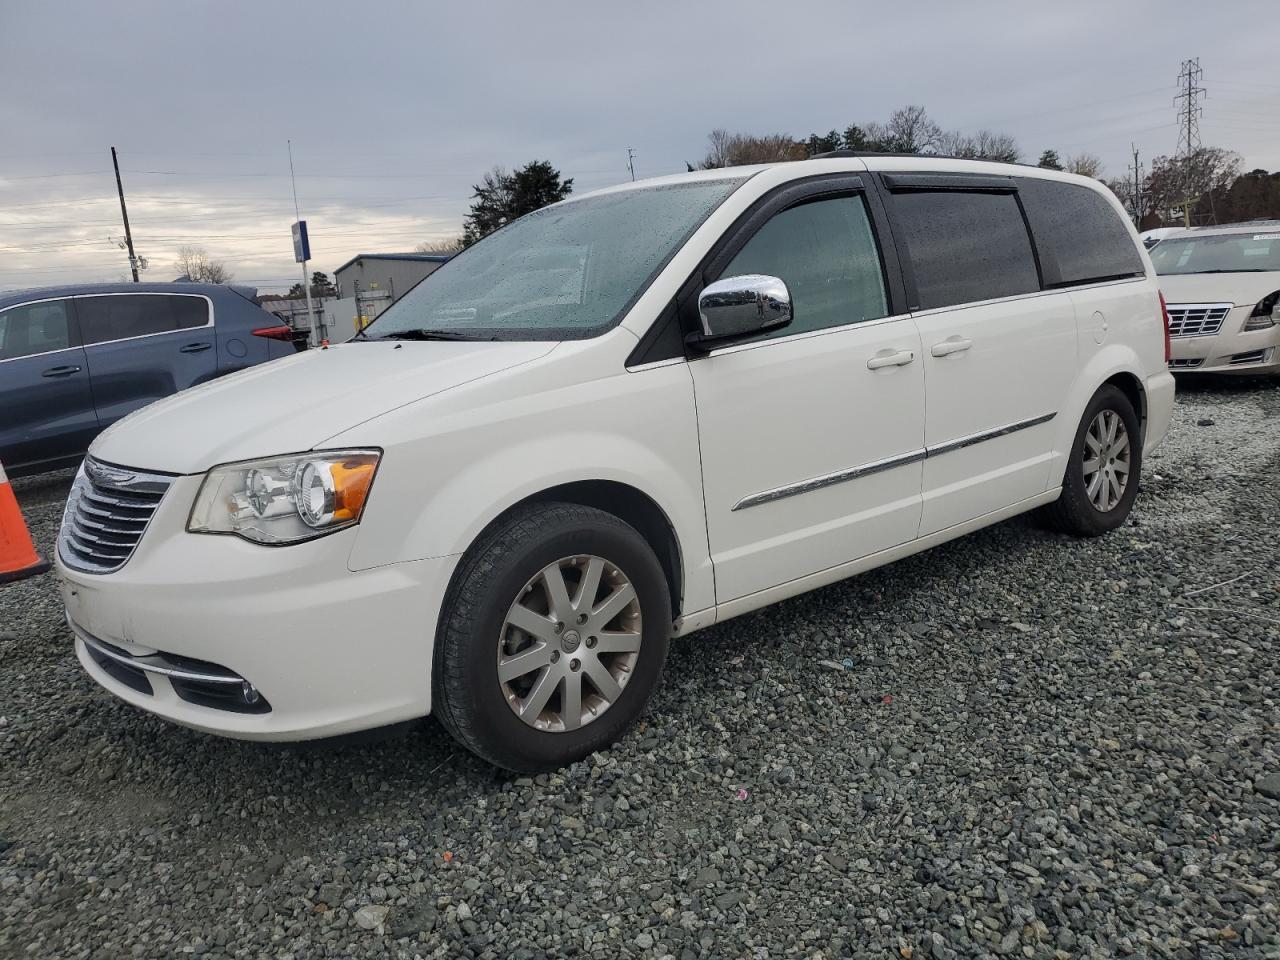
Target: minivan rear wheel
{"type": "Point", "coordinates": [551, 638]}
{"type": "Point", "coordinates": [1101, 478]}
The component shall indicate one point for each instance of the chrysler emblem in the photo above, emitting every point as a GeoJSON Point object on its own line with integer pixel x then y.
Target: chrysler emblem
{"type": "Point", "coordinates": [107, 476]}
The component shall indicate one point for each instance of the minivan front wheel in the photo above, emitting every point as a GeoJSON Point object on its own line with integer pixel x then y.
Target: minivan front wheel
{"type": "Point", "coordinates": [1101, 478]}
{"type": "Point", "coordinates": [552, 637]}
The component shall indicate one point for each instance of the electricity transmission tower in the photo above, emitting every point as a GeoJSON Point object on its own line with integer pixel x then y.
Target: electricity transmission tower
{"type": "Point", "coordinates": [1189, 113]}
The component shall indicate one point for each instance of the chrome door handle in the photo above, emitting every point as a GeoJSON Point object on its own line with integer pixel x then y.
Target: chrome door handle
{"type": "Point", "coordinates": [60, 371]}
{"type": "Point", "coordinates": [949, 346]}
{"type": "Point", "coordinates": [899, 358]}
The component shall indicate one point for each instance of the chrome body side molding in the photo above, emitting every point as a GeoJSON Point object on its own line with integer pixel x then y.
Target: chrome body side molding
{"type": "Point", "coordinates": [878, 466]}
{"type": "Point", "coordinates": [817, 483]}
{"type": "Point", "coordinates": [961, 442]}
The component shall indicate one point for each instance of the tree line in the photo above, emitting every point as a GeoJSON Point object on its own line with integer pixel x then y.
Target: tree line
{"type": "Point", "coordinates": [1209, 182]}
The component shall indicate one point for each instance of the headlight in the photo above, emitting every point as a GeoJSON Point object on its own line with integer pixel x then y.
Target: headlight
{"type": "Point", "coordinates": [285, 499]}
{"type": "Point", "coordinates": [1265, 314]}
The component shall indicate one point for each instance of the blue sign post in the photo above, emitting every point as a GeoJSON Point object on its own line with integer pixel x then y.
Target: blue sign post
{"type": "Point", "coordinates": [301, 254]}
{"type": "Point", "coordinates": [301, 243]}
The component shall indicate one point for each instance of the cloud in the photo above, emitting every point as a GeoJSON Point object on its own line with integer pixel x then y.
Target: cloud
{"type": "Point", "coordinates": [395, 109]}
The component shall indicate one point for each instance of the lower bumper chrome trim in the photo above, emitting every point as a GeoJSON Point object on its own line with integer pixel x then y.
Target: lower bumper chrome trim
{"type": "Point", "coordinates": [155, 663]}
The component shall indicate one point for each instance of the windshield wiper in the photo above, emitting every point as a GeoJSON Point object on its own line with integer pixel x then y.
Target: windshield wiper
{"type": "Point", "coordinates": [422, 334]}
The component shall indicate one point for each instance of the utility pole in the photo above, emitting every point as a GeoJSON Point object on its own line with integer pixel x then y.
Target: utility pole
{"type": "Point", "coordinates": [1138, 210]}
{"type": "Point", "coordinates": [1189, 113]}
{"type": "Point", "coordinates": [631, 163]}
{"type": "Point", "coordinates": [124, 212]}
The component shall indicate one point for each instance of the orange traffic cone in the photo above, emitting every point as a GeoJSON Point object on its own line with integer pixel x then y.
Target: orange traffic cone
{"type": "Point", "coordinates": [18, 557]}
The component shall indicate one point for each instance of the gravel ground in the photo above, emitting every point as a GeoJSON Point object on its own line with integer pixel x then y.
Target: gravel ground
{"type": "Point", "coordinates": [1017, 744]}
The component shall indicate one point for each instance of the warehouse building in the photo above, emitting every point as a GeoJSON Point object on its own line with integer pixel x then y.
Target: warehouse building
{"type": "Point", "coordinates": [384, 276]}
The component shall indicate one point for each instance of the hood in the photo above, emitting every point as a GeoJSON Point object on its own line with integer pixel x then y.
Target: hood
{"type": "Point", "coordinates": [297, 403]}
{"type": "Point", "coordinates": [1242, 289]}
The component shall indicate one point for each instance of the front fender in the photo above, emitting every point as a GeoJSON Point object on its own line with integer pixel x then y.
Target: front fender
{"type": "Point", "coordinates": [495, 444]}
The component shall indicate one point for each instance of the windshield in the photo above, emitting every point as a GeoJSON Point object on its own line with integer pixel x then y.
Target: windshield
{"type": "Point", "coordinates": [1218, 253]}
{"type": "Point", "coordinates": [562, 273]}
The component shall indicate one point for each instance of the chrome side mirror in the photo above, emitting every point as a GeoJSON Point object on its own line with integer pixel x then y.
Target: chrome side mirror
{"type": "Point", "coordinates": [743, 306]}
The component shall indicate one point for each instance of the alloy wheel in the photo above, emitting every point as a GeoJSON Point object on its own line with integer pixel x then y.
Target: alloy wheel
{"type": "Point", "coordinates": [1107, 459]}
{"type": "Point", "coordinates": [569, 643]}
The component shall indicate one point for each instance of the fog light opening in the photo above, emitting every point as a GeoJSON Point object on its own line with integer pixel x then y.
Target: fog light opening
{"type": "Point", "coordinates": [250, 693]}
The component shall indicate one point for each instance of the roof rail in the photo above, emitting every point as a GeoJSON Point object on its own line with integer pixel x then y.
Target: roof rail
{"type": "Point", "coordinates": [834, 154]}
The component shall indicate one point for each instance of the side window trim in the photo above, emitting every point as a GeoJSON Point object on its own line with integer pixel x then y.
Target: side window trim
{"type": "Point", "coordinates": [657, 345]}
{"type": "Point", "coordinates": [207, 325]}
{"type": "Point", "coordinates": [968, 182]}
{"type": "Point", "coordinates": [783, 198]}
{"type": "Point", "coordinates": [73, 327]}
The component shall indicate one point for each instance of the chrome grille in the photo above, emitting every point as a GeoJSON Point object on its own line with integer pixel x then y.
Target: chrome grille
{"type": "Point", "coordinates": [1196, 319]}
{"type": "Point", "coordinates": [1185, 364]}
{"type": "Point", "coordinates": [1253, 356]}
{"type": "Point", "coordinates": [107, 512]}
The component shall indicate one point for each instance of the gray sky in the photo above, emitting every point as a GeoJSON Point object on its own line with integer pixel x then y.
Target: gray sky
{"type": "Point", "coordinates": [395, 109]}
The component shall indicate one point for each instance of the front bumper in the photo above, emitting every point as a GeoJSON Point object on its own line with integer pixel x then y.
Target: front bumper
{"type": "Point", "coordinates": [1230, 350]}
{"type": "Point", "coordinates": [330, 651]}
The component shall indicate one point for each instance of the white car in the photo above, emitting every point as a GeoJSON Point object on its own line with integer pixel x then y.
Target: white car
{"type": "Point", "coordinates": [1151, 237]}
{"type": "Point", "coordinates": [1223, 289]}
{"type": "Point", "coordinates": [767, 379]}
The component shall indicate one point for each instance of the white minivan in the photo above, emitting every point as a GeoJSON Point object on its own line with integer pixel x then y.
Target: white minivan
{"type": "Point", "coordinates": [705, 394]}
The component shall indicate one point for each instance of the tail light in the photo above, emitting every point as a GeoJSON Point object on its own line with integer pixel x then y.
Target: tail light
{"type": "Point", "coordinates": [282, 332]}
{"type": "Point", "coordinates": [1164, 317]}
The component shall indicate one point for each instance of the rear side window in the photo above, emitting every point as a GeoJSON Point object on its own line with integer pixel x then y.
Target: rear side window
{"type": "Point", "coordinates": [1081, 230]}
{"type": "Point", "coordinates": [124, 316]}
{"type": "Point", "coordinates": [965, 247]}
{"type": "Point", "coordinates": [33, 328]}
{"type": "Point", "coordinates": [826, 254]}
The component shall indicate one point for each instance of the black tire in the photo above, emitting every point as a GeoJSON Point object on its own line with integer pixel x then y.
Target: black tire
{"type": "Point", "coordinates": [1073, 512]}
{"type": "Point", "coordinates": [467, 696]}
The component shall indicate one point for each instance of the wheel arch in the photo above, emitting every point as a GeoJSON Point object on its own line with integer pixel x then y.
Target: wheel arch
{"type": "Point", "coordinates": [1131, 386]}
{"type": "Point", "coordinates": [629, 504]}
{"type": "Point", "coordinates": [1117, 365]}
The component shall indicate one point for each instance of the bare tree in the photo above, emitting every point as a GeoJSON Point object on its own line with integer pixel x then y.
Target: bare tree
{"type": "Point", "coordinates": [736, 149]}
{"type": "Point", "coordinates": [447, 247]}
{"type": "Point", "coordinates": [983, 145]}
{"type": "Point", "coordinates": [911, 130]}
{"type": "Point", "coordinates": [997, 146]}
{"type": "Point", "coordinates": [1174, 180]}
{"type": "Point", "coordinates": [195, 265]}
{"type": "Point", "coordinates": [1134, 200]}
{"type": "Point", "coordinates": [1085, 164]}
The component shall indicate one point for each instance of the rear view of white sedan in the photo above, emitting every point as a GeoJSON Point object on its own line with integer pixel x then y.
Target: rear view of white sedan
{"type": "Point", "coordinates": [624, 417]}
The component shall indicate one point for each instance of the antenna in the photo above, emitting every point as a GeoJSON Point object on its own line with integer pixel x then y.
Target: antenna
{"type": "Point", "coordinates": [293, 181]}
{"type": "Point", "coordinates": [631, 162]}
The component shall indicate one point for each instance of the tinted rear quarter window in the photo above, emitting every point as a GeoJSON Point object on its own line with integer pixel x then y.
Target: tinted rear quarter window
{"type": "Point", "coordinates": [1078, 229]}
{"type": "Point", "coordinates": [123, 316]}
{"type": "Point", "coordinates": [965, 247]}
